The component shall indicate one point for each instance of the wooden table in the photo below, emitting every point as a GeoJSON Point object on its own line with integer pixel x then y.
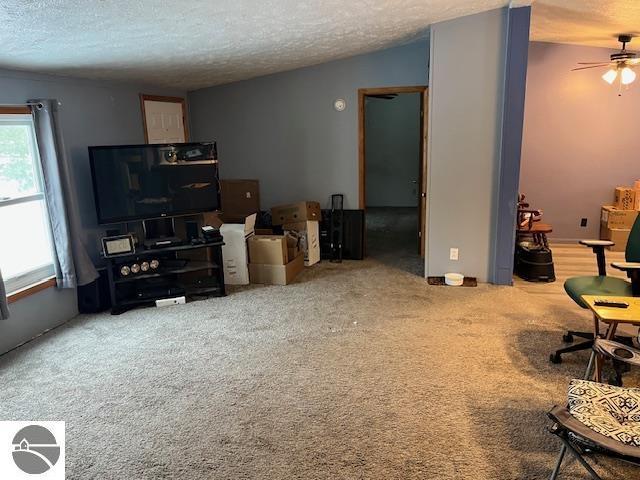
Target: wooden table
{"type": "Point", "coordinates": [612, 317]}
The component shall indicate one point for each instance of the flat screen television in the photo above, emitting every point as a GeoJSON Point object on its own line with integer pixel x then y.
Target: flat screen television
{"type": "Point", "coordinates": [140, 182]}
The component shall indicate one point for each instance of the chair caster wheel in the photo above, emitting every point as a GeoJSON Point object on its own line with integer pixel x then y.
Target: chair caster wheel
{"type": "Point", "coordinates": [555, 358]}
{"type": "Point", "coordinates": [567, 338]}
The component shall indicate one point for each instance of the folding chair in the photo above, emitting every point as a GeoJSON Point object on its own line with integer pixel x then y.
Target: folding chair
{"type": "Point", "coordinates": [600, 419]}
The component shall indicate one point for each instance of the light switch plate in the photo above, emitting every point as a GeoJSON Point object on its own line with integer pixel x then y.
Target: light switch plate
{"type": "Point", "coordinates": [453, 254]}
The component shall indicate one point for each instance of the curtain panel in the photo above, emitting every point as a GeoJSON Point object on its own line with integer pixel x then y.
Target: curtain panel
{"type": "Point", "coordinates": [73, 264]}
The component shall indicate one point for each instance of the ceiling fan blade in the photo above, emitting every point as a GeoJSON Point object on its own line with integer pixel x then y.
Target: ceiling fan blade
{"type": "Point", "coordinates": [590, 66]}
{"type": "Point", "coordinates": [591, 63]}
{"type": "Point", "coordinates": [633, 61]}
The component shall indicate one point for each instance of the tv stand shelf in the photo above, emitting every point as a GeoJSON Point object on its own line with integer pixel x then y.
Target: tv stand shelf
{"type": "Point", "coordinates": [175, 276]}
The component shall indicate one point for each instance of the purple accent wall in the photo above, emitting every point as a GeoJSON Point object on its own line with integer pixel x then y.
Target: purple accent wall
{"type": "Point", "coordinates": [580, 140]}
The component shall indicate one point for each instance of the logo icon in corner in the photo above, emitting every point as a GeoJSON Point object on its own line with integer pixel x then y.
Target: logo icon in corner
{"type": "Point", "coordinates": [35, 449]}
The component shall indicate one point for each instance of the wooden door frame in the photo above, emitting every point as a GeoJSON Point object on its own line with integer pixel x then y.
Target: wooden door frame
{"type": "Point", "coordinates": [422, 182]}
{"type": "Point", "coordinates": [162, 98]}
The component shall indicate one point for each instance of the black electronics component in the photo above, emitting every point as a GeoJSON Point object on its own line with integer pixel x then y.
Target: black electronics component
{"type": "Point", "coordinates": [353, 235]}
{"type": "Point", "coordinates": [94, 297]}
{"type": "Point", "coordinates": [353, 239]}
{"type": "Point", "coordinates": [336, 231]}
{"type": "Point", "coordinates": [141, 182]}
{"type": "Point", "coordinates": [192, 230]}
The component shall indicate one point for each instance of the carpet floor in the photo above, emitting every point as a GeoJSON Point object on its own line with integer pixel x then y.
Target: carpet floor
{"type": "Point", "coordinates": [356, 371]}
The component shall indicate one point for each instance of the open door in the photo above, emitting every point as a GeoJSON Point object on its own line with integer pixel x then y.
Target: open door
{"type": "Point", "coordinates": [422, 182]}
{"type": "Point", "coordinates": [390, 92]}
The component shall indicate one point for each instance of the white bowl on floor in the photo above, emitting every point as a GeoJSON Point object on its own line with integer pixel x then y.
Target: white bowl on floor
{"type": "Point", "coordinates": [453, 279]}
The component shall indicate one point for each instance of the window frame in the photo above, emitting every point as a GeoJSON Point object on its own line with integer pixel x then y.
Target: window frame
{"type": "Point", "coordinates": [42, 274]}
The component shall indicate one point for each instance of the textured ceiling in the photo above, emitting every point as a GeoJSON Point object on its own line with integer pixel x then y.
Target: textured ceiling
{"type": "Point", "coordinates": [586, 22]}
{"type": "Point", "coordinates": [191, 44]}
{"type": "Point", "coordinates": [196, 43]}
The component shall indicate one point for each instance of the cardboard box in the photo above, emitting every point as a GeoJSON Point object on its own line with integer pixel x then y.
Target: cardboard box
{"type": "Point", "coordinates": [617, 235]}
{"type": "Point", "coordinates": [240, 197]}
{"type": "Point", "coordinates": [611, 217]}
{"type": "Point", "coordinates": [295, 212]}
{"type": "Point", "coordinates": [235, 256]}
{"type": "Point", "coordinates": [626, 198]}
{"type": "Point", "coordinates": [268, 249]}
{"type": "Point", "coordinates": [276, 274]}
{"type": "Point", "coordinates": [309, 234]}
{"type": "Point", "coordinates": [293, 246]}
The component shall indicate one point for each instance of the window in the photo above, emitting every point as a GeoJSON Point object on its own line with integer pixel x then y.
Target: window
{"type": "Point", "coordinates": [26, 253]}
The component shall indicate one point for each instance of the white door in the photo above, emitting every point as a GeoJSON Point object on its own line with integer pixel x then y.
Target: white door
{"type": "Point", "coordinates": [165, 122]}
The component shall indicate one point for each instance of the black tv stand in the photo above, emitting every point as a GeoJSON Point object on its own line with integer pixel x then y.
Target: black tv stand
{"type": "Point", "coordinates": [190, 270]}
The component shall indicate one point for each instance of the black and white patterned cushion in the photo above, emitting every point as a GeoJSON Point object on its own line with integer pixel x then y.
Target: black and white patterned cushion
{"type": "Point", "coordinates": [607, 410]}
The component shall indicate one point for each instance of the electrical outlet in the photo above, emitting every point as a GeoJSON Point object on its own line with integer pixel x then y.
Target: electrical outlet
{"type": "Point", "coordinates": [583, 222]}
{"type": "Point", "coordinates": [453, 254]}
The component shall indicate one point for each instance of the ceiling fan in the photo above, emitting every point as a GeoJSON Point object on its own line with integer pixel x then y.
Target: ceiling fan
{"type": "Point", "coordinates": [621, 63]}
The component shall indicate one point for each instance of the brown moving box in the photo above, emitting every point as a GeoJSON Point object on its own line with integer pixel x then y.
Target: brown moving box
{"type": "Point", "coordinates": [268, 249]}
{"type": "Point", "coordinates": [293, 247]}
{"type": "Point", "coordinates": [611, 217]}
{"type": "Point", "coordinates": [276, 274]}
{"type": "Point", "coordinates": [626, 198]}
{"type": "Point", "coordinates": [617, 235]}
{"type": "Point", "coordinates": [295, 212]}
{"type": "Point", "coordinates": [240, 198]}
{"type": "Point", "coordinates": [309, 234]}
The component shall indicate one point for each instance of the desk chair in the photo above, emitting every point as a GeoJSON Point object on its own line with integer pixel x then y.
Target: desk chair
{"type": "Point", "coordinates": [600, 419]}
{"type": "Point", "coordinates": [603, 285]}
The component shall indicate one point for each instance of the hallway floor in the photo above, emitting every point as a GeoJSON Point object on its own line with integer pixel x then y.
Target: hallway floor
{"type": "Point", "coordinates": [392, 238]}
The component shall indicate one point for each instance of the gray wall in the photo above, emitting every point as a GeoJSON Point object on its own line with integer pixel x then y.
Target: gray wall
{"type": "Point", "coordinates": [92, 113]}
{"type": "Point", "coordinates": [392, 150]}
{"type": "Point", "coordinates": [580, 138]}
{"type": "Point", "coordinates": [283, 129]}
{"type": "Point", "coordinates": [464, 141]}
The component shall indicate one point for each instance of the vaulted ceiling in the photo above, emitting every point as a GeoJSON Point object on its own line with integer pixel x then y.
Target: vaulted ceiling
{"type": "Point", "coordinates": [191, 44]}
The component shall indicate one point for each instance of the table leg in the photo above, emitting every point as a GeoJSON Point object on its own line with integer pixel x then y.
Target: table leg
{"type": "Point", "coordinates": [609, 335]}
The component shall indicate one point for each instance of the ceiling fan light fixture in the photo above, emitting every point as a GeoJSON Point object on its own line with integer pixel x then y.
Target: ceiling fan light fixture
{"type": "Point", "coordinates": [627, 76]}
{"type": "Point", "coordinates": [611, 76]}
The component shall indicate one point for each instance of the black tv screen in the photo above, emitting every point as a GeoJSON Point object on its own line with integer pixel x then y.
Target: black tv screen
{"type": "Point", "coordinates": [138, 182]}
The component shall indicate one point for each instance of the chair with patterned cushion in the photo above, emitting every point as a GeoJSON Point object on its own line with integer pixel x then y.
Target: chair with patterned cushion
{"type": "Point", "coordinates": [600, 419]}
{"type": "Point", "coordinates": [602, 284]}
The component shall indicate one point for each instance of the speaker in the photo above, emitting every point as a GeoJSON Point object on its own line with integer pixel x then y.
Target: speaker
{"type": "Point", "coordinates": [353, 239]}
{"type": "Point", "coordinates": [353, 235]}
{"type": "Point", "coordinates": [94, 297]}
{"type": "Point", "coordinates": [192, 229]}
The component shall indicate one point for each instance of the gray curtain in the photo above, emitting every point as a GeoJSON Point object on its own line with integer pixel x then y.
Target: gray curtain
{"type": "Point", "coordinates": [73, 265]}
{"type": "Point", "coordinates": [4, 308]}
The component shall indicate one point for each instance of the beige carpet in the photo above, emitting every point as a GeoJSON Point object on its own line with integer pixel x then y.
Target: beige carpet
{"type": "Point", "coordinates": [357, 371]}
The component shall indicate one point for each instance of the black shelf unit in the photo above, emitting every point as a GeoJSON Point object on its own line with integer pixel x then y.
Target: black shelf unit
{"type": "Point", "coordinates": [176, 276]}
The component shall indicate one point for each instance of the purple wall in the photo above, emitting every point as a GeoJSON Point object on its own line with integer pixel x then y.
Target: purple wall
{"type": "Point", "coordinates": [581, 139]}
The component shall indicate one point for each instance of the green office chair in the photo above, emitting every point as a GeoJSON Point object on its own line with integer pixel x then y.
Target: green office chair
{"type": "Point", "coordinates": [603, 285]}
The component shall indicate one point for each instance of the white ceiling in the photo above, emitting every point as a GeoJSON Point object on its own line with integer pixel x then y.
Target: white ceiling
{"type": "Point", "coordinates": [191, 44]}
{"type": "Point", "coordinates": [196, 43]}
{"type": "Point", "coordinates": [586, 22]}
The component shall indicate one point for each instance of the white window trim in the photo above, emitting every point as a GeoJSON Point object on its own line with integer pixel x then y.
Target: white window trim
{"type": "Point", "coordinates": [43, 272]}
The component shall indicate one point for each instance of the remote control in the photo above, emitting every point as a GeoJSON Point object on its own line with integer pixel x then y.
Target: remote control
{"type": "Point", "coordinates": [610, 303]}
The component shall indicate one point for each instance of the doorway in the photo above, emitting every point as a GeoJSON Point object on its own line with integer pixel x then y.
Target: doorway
{"type": "Point", "coordinates": [392, 153]}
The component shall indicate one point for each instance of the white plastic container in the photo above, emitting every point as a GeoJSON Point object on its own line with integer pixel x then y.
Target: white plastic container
{"type": "Point", "coordinates": [453, 279]}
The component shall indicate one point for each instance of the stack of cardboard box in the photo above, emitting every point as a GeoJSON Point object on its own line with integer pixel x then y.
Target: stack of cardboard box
{"type": "Point", "coordinates": [616, 220]}
{"type": "Point", "coordinates": [301, 220]}
{"type": "Point", "coordinates": [255, 255]}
